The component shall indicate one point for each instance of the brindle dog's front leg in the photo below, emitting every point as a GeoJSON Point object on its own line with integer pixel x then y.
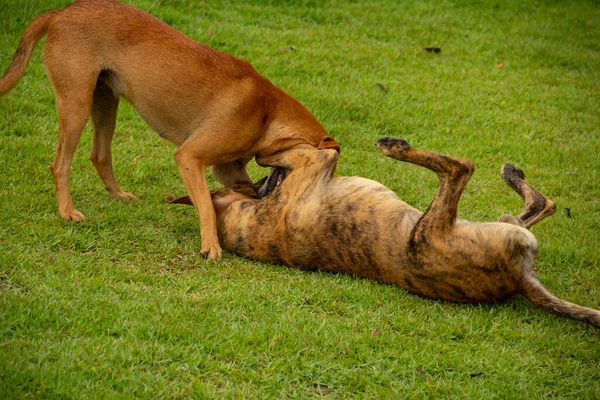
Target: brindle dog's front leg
{"type": "Point", "coordinates": [438, 260]}
{"type": "Point", "coordinates": [453, 174]}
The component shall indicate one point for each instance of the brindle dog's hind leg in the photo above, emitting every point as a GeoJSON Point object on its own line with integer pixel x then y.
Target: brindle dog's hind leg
{"type": "Point", "coordinates": [453, 174]}
{"type": "Point", "coordinates": [536, 207]}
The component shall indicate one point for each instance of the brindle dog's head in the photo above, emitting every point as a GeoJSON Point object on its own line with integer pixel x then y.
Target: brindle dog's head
{"type": "Point", "coordinates": [223, 197]}
{"type": "Point", "coordinates": [311, 163]}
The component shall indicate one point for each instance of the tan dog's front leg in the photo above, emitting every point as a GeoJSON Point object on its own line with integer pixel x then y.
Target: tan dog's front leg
{"type": "Point", "coordinates": [193, 173]}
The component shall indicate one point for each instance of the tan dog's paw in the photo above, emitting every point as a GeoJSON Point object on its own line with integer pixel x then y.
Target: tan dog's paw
{"type": "Point", "coordinates": [72, 215]}
{"type": "Point", "coordinates": [124, 196]}
{"type": "Point", "coordinates": [211, 252]}
{"type": "Point", "coordinates": [392, 147]}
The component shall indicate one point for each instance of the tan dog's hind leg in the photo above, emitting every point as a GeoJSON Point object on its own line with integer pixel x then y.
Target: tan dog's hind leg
{"type": "Point", "coordinates": [536, 207]}
{"type": "Point", "coordinates": [72, 120]}
{"type": "Point", "coordinates": [73, 104]}
{"type": "Point", "coordinates": [104, 116]}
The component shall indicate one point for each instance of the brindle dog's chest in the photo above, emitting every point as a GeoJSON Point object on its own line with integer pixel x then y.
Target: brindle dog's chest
{"type": "Point", "coordinates": [352, 225]}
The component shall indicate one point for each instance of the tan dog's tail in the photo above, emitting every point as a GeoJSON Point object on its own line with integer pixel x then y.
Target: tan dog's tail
{"type": "Point", "coordinates": [541, 297]}
{"type": "Point", "coordinates": [34, 32]}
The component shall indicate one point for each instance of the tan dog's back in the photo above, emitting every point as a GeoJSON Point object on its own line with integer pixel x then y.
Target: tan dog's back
{"type": "Point", "coordinates": [176, 91]}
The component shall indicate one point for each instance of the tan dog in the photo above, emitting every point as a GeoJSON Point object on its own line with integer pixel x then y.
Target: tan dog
{"type": "Point", "coordinates": [313, 221]}
{"type": "Point", "coordinates": [215, 107]}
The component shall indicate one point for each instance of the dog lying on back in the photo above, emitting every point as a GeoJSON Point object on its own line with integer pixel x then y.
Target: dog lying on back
{"type": "Point", "coordinates": [304, 217]}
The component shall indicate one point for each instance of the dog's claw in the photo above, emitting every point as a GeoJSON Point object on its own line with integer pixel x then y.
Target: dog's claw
{"type": "Point", "coordinates": [388, 142]}
{"type": "Point", "coordinates": [179, 200]}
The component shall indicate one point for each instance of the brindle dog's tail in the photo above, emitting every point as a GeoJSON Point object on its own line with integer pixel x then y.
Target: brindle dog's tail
{"type": "Point", "coordinates": [541, 297]}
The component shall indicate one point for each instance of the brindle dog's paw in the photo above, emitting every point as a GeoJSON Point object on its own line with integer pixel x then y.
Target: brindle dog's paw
{"type": "Point", "coordinates": [512, 175]}
{"type": "Point", "coordinates": [393, 147]}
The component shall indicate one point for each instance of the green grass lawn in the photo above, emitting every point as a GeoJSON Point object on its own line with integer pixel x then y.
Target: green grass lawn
{"type": "Point", "coordinates": [123, 305]}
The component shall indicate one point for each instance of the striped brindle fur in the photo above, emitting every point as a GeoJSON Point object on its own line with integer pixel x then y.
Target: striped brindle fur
{"type": "Point", "coordinates": [314, 221]}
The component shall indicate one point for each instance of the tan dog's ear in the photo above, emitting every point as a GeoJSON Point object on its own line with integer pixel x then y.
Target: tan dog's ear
{"type": "Point", "coordinates": [329, 143]}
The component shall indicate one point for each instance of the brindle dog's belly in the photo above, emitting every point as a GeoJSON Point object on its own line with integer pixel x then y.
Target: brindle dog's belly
{"type": "Point", "coordinates": [357, 226]}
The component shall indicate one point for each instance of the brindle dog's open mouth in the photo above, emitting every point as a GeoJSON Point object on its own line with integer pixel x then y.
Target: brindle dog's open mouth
{"type": "Point", "coordinates": [257, 190]}
{"type": "Point", "coordinates": [274, 179]}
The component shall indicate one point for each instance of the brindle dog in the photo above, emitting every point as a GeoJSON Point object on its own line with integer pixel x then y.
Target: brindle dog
{"type": "Point", "coordinates": [313, 221]}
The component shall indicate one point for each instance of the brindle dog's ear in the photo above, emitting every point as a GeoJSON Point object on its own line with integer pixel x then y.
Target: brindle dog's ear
{"type": "Point", "coordinates": [180, 200]}
{"type": "Point", "coordinates": [329, 143]}
{"type": "Point", "coordinates": [247, 189]}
